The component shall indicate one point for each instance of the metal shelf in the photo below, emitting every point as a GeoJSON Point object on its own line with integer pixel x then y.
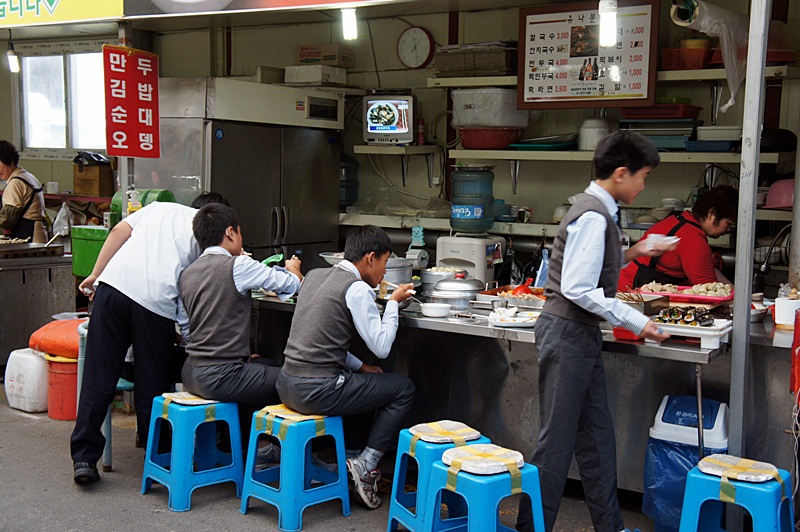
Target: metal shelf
{"type": "Point", "coordinates": [709, 74]}
{"type": "Point", "coordinates": [774, 215]}
{"type": "Point", "coordinates": [73, 197]}
{"type": "Point", "coordinates": [579, 156]}
{"type": "Point", "coordinates": [396, 150]}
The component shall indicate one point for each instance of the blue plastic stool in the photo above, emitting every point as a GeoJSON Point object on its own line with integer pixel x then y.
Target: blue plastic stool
{"type": "Point", "coordinates": [483, 494]}
{"type": "Point", "coordinates": [296, 470]}
{"type": "Point", "coordinates": [425, 454]}
{"type": "Point", "coordinates": [194, 443]}
{"type": "Point", "coordinates": [769, 503]}
{"type": "Point", "coordinates": [122, 386]}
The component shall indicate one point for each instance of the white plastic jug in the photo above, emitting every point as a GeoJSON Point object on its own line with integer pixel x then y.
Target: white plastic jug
{"type": "Point", "coordinates": [26, 380]}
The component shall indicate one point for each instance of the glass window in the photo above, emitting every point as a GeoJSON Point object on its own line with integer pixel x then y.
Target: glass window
{"type": "Point", "coordinates": [87, 101]}
{"type": "Point", "coordinates": [44, 111]}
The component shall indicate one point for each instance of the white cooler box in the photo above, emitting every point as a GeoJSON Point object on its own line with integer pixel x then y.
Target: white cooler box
{"type": "Point", "coordinates": [488, 107]}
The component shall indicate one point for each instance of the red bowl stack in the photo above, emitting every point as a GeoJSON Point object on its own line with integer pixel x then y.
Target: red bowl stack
{"type": "Point", "coordinates": [489, 138]}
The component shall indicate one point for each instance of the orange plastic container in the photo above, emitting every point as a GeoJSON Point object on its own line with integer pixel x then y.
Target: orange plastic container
{"type": "Point", "coordinates": [621, 333]}
{"type": "Point", "coordinates": [62, 388]}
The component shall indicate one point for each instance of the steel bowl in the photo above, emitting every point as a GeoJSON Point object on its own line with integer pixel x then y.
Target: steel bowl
{"type": "Point", "coordinates": [381, 303]}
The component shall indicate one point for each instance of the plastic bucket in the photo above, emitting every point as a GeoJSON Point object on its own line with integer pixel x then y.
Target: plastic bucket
{"type": "Point", "coordinates": [87, 241]}
{"type": "Point", "coordinates": [62, 388]}
{"type": "Point", "coordinates": [26, 380]}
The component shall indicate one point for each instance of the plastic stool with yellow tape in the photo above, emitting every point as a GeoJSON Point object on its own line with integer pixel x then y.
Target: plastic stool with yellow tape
{"type": "Point", "coordinates": [484, 474]}
{"type": "Point", "coordinates": [194, 459]}
{"type": "Point", "coordinates": [762, 489]}
{"type": "Point", "coordinates": [425, 443]}
{"type": "Point", "coordinates": [297, 469]}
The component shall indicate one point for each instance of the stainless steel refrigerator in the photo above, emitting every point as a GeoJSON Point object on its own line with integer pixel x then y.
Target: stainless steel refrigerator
{"type": "Point", "coordinates": [283, 183]}
{"type": "Point", "coordinates": [272, 151]}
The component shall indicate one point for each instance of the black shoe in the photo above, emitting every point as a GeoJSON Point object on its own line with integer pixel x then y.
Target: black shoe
{"type": "Point", "coordinates": [85, 473]}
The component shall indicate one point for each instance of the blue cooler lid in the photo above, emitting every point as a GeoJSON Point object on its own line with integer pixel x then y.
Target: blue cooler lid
{"type": "Point", "coordinates": [682, 410]}
{"type": "Point", "coordinates": [676, 421]}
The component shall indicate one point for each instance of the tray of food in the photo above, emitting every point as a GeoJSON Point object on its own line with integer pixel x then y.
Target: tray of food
{"type": "Point", "coordinates": [710, 336]}
{"type": "Point", "coordinates": [708, 293]}
{"type": "Point", "coordinates": [534, 299]}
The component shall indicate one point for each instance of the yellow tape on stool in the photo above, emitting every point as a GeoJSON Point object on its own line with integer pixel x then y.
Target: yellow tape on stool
{"type": "Point", "coordinates": [165, 408]}
{"type": "Point", "coordinates": [513, 469]}
{"type": "Point", "coordinates": [211, 413]}
{"type": "Point", "coordinates": [438, 430]}
{"type": "Point", "coordinates": [727, 491]}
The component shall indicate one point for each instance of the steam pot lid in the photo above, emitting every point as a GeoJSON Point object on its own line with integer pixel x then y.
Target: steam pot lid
{"type": "Point", "coordinates": [459, 285]}
{"type": "Point", "coordinates": [399, 262]}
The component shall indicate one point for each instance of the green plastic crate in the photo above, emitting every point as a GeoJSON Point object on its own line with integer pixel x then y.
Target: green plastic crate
{"type": "Point", "coordinates": [87, 240]}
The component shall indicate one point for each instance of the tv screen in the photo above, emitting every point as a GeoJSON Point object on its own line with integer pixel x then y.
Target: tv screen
{"type": "Point", "coordinates": [388, 120]}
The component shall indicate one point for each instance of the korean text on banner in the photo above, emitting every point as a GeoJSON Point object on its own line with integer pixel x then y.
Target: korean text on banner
{"type": "Point", "coordinates": [131, 89]}
{"type": "Point", "coordinates": [36, 12]}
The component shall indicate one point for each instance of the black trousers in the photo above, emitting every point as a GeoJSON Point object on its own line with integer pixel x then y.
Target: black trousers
{"type": "Point", "coordinates": [116, 323]}
{"type": "Point", "coordinates": [575, 418]}
{"type": "Point", "coordinates": [389, 395]}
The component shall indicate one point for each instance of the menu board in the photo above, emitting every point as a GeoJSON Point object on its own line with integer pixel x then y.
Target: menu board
{"type": "Point", "coordinates": [561, 62]}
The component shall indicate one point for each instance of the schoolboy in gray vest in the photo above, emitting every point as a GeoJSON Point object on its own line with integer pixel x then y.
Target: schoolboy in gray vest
{"type": "Point", "coordinates": [321, 376]}
{"type": "Point", "coordinates": [215, 290]}
{"type": "Point", "coordinates": [580, 290]}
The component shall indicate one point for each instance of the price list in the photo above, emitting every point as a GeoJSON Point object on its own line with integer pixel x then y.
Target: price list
{"type": "Point", "coordinates": [562, 60]}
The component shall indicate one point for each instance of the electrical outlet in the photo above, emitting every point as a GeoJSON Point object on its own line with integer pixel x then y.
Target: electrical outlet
{"type": "Point", "coordinates": [437, 180]}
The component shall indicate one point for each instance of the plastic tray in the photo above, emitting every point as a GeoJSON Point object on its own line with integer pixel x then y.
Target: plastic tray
{"type": "Point", "coordinates": [710, 337]}
{"type": "Point", "coordinates": [692, 298]}
{"type": "Point", "coordinates": [712, 145]}
{"type": "Point", "coordinates": [667, 110]}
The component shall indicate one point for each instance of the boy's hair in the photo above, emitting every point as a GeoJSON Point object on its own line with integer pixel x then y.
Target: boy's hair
{"type": "Point", "coordinates": [9, 155]}
{"type": "Point", "coordinates": [363, 240]}
{"type": "Point", "coordinates": [209, 197]}
{"type": "Point", "coordinates": [624, 149]}
{"type": "Point", "coordinates": [723, 200]}
{"type": "Point", "coordinates": [211, 222]}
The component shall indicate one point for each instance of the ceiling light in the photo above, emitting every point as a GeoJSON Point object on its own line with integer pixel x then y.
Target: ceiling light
{"type": "Point", "coordinates": [349, 25]}
{"type": "Point", "coordinates": [608, 22]}
{"type": "Point", "coordinates": [13, 59]}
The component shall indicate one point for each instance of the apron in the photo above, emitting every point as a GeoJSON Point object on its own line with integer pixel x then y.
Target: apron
{"type": "Point", "coordinates": [24, 228]}
{"type": "Point", "coordinates": [648, 273]}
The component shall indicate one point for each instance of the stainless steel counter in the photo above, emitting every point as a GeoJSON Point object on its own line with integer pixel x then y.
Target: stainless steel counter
{"type": "Point", "coordinates": [487, 377]}
{"type": "Point", "coordinates": [33, 289]}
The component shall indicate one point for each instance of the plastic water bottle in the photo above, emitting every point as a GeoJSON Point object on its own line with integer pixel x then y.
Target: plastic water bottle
{"type": "Point", "coordinates": [472, 200]}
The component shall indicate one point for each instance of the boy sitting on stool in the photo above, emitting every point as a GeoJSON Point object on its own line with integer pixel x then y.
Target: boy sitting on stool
{"type": "Point", "coordinates": [215, 290]}
{"type": "Point", "coordinates": [320, 376]}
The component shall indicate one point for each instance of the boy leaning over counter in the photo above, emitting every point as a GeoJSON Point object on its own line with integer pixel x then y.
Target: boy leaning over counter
{"type": "Point", "coordinates": [320, 375]}
{"type": "Point", "coordinates": [580, 290]}
{"type": "Point", "coordinates": [215, 290]}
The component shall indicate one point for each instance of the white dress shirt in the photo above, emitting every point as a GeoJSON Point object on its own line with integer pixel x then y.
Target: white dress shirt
{"type": "Point", "coordinates": [249, 274]}
{"type": "Point", "coordinates": [147, 266]}
{"type": "Point", "coordinates": [583, 262]}
{"type": "Point", "coordinates": [378, 333]}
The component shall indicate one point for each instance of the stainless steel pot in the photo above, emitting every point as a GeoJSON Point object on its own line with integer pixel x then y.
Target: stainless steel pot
{"type": "Point", "coordinates": [398, 270]}
{"type": "Point", "coordinates": [429, 278]}
{"type": "Point", "coordinates": [382, 303]}
{"type": "Point", "coordinates": [455, 292]}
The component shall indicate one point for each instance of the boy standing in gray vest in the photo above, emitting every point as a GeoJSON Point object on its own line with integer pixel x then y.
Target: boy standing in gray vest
{"type": "Point", "coordinates": [580, 290]}
{"type": "Point", "coordinates": [320, 375]}
{"type": "Point", "coordinates": [215, 290]}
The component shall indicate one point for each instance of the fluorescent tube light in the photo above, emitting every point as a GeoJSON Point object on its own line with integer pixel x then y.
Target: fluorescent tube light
{"type": "Point", "coordinates": [11, 55]}
{"type": "Point", "coordinates": [608, 22]}
{"type": "Point", "coordinates": [349, 25]}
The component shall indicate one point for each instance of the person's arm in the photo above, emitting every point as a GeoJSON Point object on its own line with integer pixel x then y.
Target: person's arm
{"type": "Point", "coordinates": [643, 249]}
{"type": "Point", "coordinates": [580, 276]}
{"type": "Point", "coordinates": [116, 239]}
{"type": "Point", "coordinates": [378, 333]}
{"type": "Point", "coordinates": [249, 274]}
{"type": "Point", "coordinates": [182, 318]}
{"type": "Point", "coordinates": [9, 216]}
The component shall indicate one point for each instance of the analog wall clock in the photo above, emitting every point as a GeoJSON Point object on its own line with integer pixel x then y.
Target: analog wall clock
{"type": "Point", "coordinates": [415, 47]}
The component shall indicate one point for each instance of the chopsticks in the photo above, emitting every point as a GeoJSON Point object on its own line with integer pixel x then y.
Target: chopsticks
{"type": "Point", "coordinates": [412, 292]}
{"type": "Point", "coordinates": [632, 296]}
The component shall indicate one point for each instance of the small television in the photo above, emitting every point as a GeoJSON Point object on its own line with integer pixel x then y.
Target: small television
{"type": "Point", "coordinates": [388, 119]}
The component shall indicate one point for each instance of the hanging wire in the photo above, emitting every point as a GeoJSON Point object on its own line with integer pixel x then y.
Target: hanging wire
{"type": "Point", "coordinates": [374, 57]}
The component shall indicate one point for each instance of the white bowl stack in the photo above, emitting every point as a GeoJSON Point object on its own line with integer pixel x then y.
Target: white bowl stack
{"type": "Point", "coordinates": [784, 311]}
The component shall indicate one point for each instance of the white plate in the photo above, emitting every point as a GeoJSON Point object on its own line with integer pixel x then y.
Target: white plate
{"type": "Point", "coordinates": [513, 322]}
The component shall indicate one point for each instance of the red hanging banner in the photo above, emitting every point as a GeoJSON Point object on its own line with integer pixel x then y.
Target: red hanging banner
{"type": "Point", "coordinates": [131, 89]}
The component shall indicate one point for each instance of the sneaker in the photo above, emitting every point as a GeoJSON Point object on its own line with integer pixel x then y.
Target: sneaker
{"type": "Point", "coordinates": [267, 457]}
{"type": "Point", "coordinates": [84, 473]}
{"type": "Point", "coordinates": [365, 483]}
{"type": "Point", "coordinates": [315, 460]}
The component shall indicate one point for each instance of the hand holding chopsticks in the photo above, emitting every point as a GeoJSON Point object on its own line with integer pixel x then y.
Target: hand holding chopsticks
{"type": "Point", "coordinates": [409, 291]}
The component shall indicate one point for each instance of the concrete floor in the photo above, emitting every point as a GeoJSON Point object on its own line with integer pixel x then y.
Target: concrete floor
{"type": "Point", "coordinates": [37, 491]}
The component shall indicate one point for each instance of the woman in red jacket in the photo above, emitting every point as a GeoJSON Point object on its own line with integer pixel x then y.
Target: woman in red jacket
{"type": "Point", "coordinates": [692, 261]}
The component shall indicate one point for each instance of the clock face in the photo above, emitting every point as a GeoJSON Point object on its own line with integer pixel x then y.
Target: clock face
{"type": "Point", "coordinates": [415, 47]}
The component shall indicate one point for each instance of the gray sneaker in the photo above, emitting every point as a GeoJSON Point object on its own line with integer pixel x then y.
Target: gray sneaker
{"type": "Point", "coordinates": [365, 483]}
